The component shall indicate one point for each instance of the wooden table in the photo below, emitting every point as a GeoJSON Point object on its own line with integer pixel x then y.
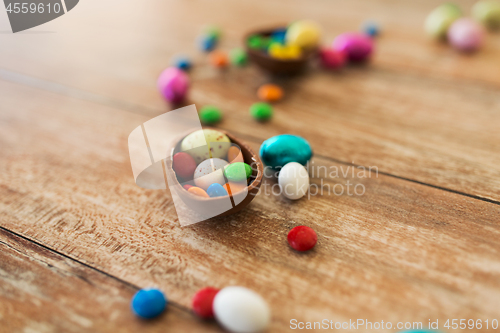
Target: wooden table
{"type": "Point", "coordinates": [78, 238]}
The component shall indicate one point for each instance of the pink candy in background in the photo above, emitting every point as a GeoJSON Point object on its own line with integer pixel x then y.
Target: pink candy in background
{"type": "Point", "coordinates": [332, 59]}
{"type": "Point", "coordinates": [466, 35]}
{"type": "Point", "coordinates": [173, 84]}
{"type": "Point", "coordinates": [357, 46]}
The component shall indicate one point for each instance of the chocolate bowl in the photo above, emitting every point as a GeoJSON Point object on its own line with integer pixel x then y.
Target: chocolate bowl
{"type": "Point", "coordinates": [212, 206]}
{"type": "Point", "coordinates": [273, 65]}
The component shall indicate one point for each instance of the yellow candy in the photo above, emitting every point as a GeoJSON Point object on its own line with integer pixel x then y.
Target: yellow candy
{"type": "Point", "coordinates": [304, 33]}
{"type": "Point", "coordinates": [279, 51]}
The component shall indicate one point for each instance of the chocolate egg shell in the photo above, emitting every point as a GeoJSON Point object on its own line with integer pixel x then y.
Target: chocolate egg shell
{"type": "Point", "coordinates": [273, 65]}
{"type": "Point", "coordinates": [241, 198]}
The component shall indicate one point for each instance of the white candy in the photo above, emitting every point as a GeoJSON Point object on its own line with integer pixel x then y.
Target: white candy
{"type": "Point", "coordinates": [293, 180]}
{"type": "Point", "coordinates": [241, 310]}
{"type": "Point", "coordinates": [209, 172]}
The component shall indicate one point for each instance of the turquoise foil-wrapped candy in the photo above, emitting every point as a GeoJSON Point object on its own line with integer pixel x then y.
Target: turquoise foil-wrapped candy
{"type": "Point", "coordinates": [282, 149]}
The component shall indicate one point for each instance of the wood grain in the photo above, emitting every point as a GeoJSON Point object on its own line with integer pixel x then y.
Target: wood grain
{"type": "Point", "coordinates": [42, 291]}
{"type": "Point", "coordinates": [400, 252]}
{"type": "Point", "coordinates": [420, 111]}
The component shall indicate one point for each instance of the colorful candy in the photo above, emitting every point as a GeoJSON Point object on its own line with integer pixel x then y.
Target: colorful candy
{"type": "Point", "coordinates": [216, 190]}
{"type": "Point", "coordinates": [207, 43]}
{"type": "Point", "coordinates": [183, 165]}
{"type": "Point", "coordinates": [488, 13]}
{"type": "Point", "coordinates": [270, 93]}
{"type": "Point", "coordinates": [279, 36]}
{"type": "Point", "coordinates": [234, 155]}
{"type": "Point", "coordinates": [206, 143]}
{"type": "Point", "coordinates": [279, 150]}
{"type": "Point", "coordinates": [440, 19]}
{"type": "Point", "coordinates": [239, 309]}
{"type": "Point", "coordinates": [302, 238]}
{"type": "Point", "coordinates": [198, 191]}
{"type": "Point", "coordinates": [202, 302]}
{"type": "Point", "coordinates": [218, 59]}
{"type": "Point", "coordinates": [358, 47]}
{"type": "Point", "coordinates": [213, 32]}
{"type": "Point", "coordinates": [371, 29]}
{"type": "Point", "coordinates": [238, 57]}
{"type": "Point", "coordinates": [293, 180]}
{"type": "Point", "coordinates": [303, 33]}
{"type": "Point", "coordinates": [173, 84]}
{"type": "Point", "coordinates": [148, 303]}
{"type": "Point", "coordinates": [210, 115]}
{"type": "Point", "coordinates": [209, 172]}
{"type": "Point", "coordinates": [237, 172]}
{"type": "Point", "coordinates": [284, 52]}
{"type": "Point", "coordinates": [332, 59]}
{"type": "Point", "coordinates": [466, 35]}
{"type": "Point", "coordinates": [261, 111]}
{"type": "Point", "coordinates": [183, 63]}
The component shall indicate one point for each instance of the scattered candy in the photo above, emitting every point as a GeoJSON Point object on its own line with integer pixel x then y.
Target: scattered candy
{"type": "Point", "coordinates": [183, 165]}
{"type": "Point", "coordinates": [279, 150]}
{"type": "Point", "coordinates": [148, 303]}
{"type": "Point", "coordinates": [198, 191]}
{"type": "Point", "coordinates": [302, 238]}
{"type": "Point", "coordinates": [183, 63]}
{"type": "Point", "coordinates": [218, 59]}
{"type": "Point", "coordinates": [261, 111]}
{"type": "Point", "coordinates": [304, 34]}
{"type": "Point", "coordinates": [202, 302]}
{"type": "Point", "coordinates": [239, 309]}
{"type": "Point", "coordinates": [239, 57]}
{"type": "Point", "coordinates": [237, 172]}
{"type": "Point", "coordinates": [440, 19]}
{"type": "Point", "coordinates": [358, 47]}
{"type": "Point", "coordinates": [466, 35]}
{"type": "Point", "coordinates": [270, 93]}
{"type": "Point", "coordinates": [210, 115]}
{"type": "Point", "coordinates": [209, 172]}
{"type": "Point", "coordinates": [207, 43]}
{"type": "Point", "coordinates": [213, 32]}
{"type": "Point", "coordinates": [173, 84]}
{"type": "Point", "coordinates": [293, 180]}
{"type": "Point", "coordinates": [216, 190]}
{"type": "Point", "coordinates": [284, 52]}
{"type": "Point", "coordinates": [371, 29]}
{"type": "Point", "coordinates": [332, 59]}
{"type": "Point", "coordinates": [195, 144]}
{"type": "Point", "coordinates": [234, 155]}
{"type": "Point", "coordinates": [488, 13]}
{"type": "Point", "coordinates": [233, 188]}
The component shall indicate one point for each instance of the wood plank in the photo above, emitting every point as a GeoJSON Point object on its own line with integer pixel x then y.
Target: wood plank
{"type": "Point", "coordinates": [400, 252]}
{"type": "Point", "coordinates": [42, 291]}
{"type": "Point", "coordinates": [420, 111]}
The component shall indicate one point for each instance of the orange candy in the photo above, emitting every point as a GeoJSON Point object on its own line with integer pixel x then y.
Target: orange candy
{"type": "Point", "coordinates": [270, 93]}
{"type": "Point", "coordinates": [198, 191]}
{"type": "Point", "coordinates": [218, 59]}
{"type": "Point", "coordinates": [234, 155]}
{"type": "Point", "coordinates": [235, 187]}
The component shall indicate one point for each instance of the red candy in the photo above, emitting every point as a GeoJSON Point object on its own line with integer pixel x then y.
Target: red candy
{"type": "Point", "coordinates": [187, 186]}
{"type": "Point", "coordinates": [332, 59]}
{"type": "Point", "coordinates": [184, 165]}
{"type": "Point", "coordinates": [202, 302]}
{"type": "Point", "coordinates": [302, 238]}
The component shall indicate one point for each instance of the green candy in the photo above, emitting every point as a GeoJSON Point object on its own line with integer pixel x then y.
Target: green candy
{"type": "Point", "coordinates": [210, 115]}
{"type": "Point", "coordinates": [488, 13]}
{"type": "Point", "coordinates": [256, 42]}
{"type": "Point", "coordinates": [440, 19]}
{"type": "Point", "coordinates": [237, 172]}
{"type": "Point", "coordinates": [261, 111]}
{"type": "Point", "coordinates": [213, 32]}
{"type": "Point", "coordinates": [239, 57]}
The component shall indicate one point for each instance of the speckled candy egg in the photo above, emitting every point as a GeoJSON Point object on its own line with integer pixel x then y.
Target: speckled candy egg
{"type": "Point", "coordinates": [294, 181]}
{"type": "Point", "coordinates": [210, 172]}
{"type": "Point", "coordinates": [466, 35]}
{"type": "Point", "coordinates": [357, 46]}
{"type": "Point", "coordinates": [173, 84]}
{"type": "Point", "coordinates": [195, 144]}
{"type": "Point", "coordinates": [241, 310]}
{"type": "Point", "coordinates": [303, 33]}
{"type": "Point", "coordinates": [282, 149]}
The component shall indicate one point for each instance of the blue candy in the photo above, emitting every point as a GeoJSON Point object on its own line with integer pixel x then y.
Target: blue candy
{"type": "Point", "coordinates": [148, 303]}
{"type": "Point", "coordinates": [371, 29]}
{"type": "Point", "coordinates": [278, 36]}
{"type": "Point", "coordinates": [216, 190]}
{"type": "Point", "coordinates": [183, 63]}
{"type": "Point", "coordinates": [207, 43]}
{"type": "Point", "coordinates": [279, 150]}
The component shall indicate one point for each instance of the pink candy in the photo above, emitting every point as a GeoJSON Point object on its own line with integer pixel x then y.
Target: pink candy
{"type": "Point", "coordinates": [466, 35]}
{"type": "Point", "coordinates": [332, 59]}
{"type": "Point", "coordinates": [357, 46]}
{"type": "Point", "coordinates": [173, 84]}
